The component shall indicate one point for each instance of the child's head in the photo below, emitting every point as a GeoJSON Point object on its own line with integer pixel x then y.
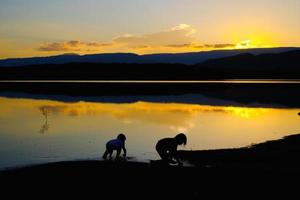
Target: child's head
{"type": "Point", "coordinates": [121, 137]}
{"type": "Point", "coordinates": [181, 139]}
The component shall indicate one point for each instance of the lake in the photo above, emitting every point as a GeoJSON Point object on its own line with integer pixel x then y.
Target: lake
{"type": "Point", "coordinates": [55, 121]}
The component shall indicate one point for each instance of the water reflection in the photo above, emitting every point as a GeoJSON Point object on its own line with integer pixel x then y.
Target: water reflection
{"type": "Point", "coordinates": [80, 130]}
{"type": "Point", "coordinates": [176, 116]}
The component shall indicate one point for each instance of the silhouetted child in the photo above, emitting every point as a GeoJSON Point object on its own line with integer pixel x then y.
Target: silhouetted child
{"type": "Point", "coordinates": [116, 144]}
{"type": "Point", "coordinates": [167, 148]}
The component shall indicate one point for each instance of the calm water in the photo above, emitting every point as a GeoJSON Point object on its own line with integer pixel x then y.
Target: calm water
{"type": "Point", "coordinates": [39, 129]}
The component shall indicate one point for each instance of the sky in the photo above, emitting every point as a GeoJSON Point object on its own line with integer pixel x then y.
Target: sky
{"type": "Point", "coordinates": [50, 27]}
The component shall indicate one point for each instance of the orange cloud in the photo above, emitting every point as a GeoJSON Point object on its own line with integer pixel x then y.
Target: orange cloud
{"type": "Point", "coordinates": [97, 44]}
{"type": "Point", "coordinates": [54, 47]}
{"type": "Point", "coordinates": [178, 35]}
{"type": "Point", "coordinates": [181, 34]}
{"type": "Point", "coordinates": [180, 38]}
{"type": "Point", "coordinates": [204, 46]}
{"type": "Point", "coordinates": [73, 45]}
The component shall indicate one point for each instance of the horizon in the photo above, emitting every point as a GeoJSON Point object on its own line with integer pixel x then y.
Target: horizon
{"type": "Point", "coordinates": [41, 29]}
{"type": "Point", "coordinates": [163, 53]}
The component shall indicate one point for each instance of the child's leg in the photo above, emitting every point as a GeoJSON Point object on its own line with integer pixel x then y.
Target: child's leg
{"type": "Point", "coordinates": [105, 154]}
{"type": "Point", "coordinates": [118, 153]}
{"type": "Point", "coordinates": [162, 154]}
{"type": "Point", "coordinates": [110, 152]}
{"type": "Point", "coordinates": [165, 157]}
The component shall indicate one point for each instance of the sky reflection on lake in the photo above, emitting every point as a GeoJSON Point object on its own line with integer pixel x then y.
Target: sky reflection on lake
{"type": "Point", "coordinates": [35, 131]}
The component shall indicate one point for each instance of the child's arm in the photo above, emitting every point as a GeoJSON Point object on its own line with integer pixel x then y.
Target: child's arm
{"type": "Point", "coordinates": [175, 156]}
{"type": "Point", "coordinates": [124, 150]}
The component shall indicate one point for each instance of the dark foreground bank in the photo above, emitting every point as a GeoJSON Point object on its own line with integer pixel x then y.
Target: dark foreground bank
{"type": "Point", "coordinates": [268, 169]}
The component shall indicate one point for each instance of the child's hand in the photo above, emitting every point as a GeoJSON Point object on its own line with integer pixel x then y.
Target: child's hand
{"type": "Point", "coordinates": [172, 162]}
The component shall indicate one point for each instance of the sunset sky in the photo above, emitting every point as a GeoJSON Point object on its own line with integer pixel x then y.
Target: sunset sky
{"type": "Point", "coordinates": [50, 27]}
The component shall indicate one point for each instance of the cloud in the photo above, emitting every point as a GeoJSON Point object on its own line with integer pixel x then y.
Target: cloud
{"type": "Point", "coordinates": [219, 46]}
{"type": "Point", "coordinates": [53, 47]}
{"type": "Point", "coordinates": [179, 45]}
{"type": "Point", "coordinates": [177, 35]}
{"type": "Point", "coordinates": [204, 46]}
{"type": "Point", "coordinates": [181, 27]}
{"type": "Point", "coordinates": [180, 38]}
{"type": "Point", "coordinates": [73, 45]}
{"type": "Point", "coordinates": [97, 44]}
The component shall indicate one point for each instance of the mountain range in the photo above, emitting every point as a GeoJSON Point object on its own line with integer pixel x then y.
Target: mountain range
{"type": "Point", "coordinates": [179, 58]}
{"type": "Point", "coordinates": [284, 65]}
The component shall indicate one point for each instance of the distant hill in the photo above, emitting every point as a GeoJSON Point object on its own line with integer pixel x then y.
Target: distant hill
{"type": "Point", "coordinates": [284, 65]}
{"type": "Point", "coordinates": [279, 65]}
{"type": "Point", "coordinates": [180, 58]}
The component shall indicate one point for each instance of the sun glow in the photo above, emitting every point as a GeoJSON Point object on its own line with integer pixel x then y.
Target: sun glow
{"type": "Point", "coordinates": [249, 44]}
{"type": "Point", "coordinates": [247, 113]}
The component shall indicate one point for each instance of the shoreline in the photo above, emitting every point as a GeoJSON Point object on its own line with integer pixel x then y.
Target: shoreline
{"type": "Point", "coordinates": [262, 153]}
{"type": "Point", "coordinates": [263, 167]}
